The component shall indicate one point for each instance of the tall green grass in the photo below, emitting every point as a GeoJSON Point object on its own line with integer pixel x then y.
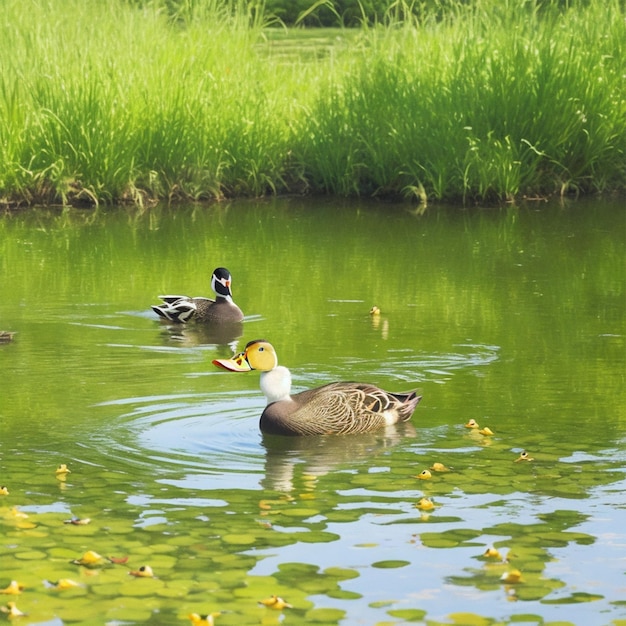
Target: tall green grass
{"type": "Point", "coordinates": [113, 100]}
{"type": "Point", "coordinates": [496, 101]}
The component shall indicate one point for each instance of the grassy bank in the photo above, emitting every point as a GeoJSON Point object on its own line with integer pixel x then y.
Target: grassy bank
{"type": "Point", "coordinates": [101, 100]}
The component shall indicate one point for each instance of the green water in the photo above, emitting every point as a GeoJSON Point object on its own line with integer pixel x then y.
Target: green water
{"type": "Point", "coordinates": [514, 317]}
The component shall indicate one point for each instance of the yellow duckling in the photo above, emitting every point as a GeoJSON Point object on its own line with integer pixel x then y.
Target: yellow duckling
{"type": "Point", "coordinates": [145, 571]}
{"type": "Point", "coordinates": [275, 602]}
{"type": "Point", "coordinates": [486, 431]}
{"type": "Point", "coordinates": [14, 588]}
{"type": "Point", "coordinates": [4, 491]}
{"type": "Point", "coordinates": [512, 577]}
{"type": "Point", "coordinates": [492, 553]}
{"type": "Point", "coordinates": [374, 310]}
{"type": "Point", "coordinates": [11, 610]}
{"type": "Point", "coordinates": [472, 424]}
{"type": "Point", "coordinates": [424, 475]}
{"type": "Point", "coordinates": [439, 467]}
{"type": "Point", "coordinates": [90, 559]}
{"type": "Point", "coordinates": [524, 456]}
{"type": "Point", "coordinates": [62, 470]}
{"type": "Point", "coordinates": [425, 504]}
{"type": "Point", "coordinates": [64, 583]}
{"type": "Point", "coordinates": [203, 620]}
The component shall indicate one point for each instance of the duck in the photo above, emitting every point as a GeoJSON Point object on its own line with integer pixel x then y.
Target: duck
{"type": "Point", "coordinates": [275, 602]}
{"type": "Point", "coordinates": [6, 336]}
{"type": "Point", "coordinates": [338, 408]}
{"type": "Point", "coordinates": [182, 309]}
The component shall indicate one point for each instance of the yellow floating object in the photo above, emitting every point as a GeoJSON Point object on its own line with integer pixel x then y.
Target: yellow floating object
{"type": "Point", "coordinates": [492, 553]}
{"type": "Point", "coordinates": [4, 491]}
{"type": "Point", "coordinates": [425, 504]}
{"type": "Point", "coordinates": [145, 571]}
{"type": "Point", "coordinates": [524, 456]}
{"type": "Point", "coordinates": [374, 310]}
{"type": "Point", "coordinates": [275, 602]}
{"type": "Point", "coordinates": [62, 469]}
{"type": "Point", "coordinates": [90, 558]}
{"type": "Point", "coordinates": [472, 424]}
{"type": "Point", "coordinates": [17, 514]}
{"type": "Point", "coordinates": [13, 589]}
{"type": "Point", "coordinates": [12, 610]}
{"type": "Point", "coordinates": [65, 583]}
{"type": "Point", "coordinates": [203, 620]}
{"type": "Point", "coordinates": [486, 431]}
{"type": "Point", "coordinates": [439, 467]}
{"type": "Point", "coordinates": [514, 576]}
{"type": "Point", "coordinates": [424, 475]}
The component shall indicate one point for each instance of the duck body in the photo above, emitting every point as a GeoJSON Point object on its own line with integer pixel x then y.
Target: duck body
{"type": "Point", "coordinates": [338, 408]}
{"type": "Point", "coordinates": [182, 309]}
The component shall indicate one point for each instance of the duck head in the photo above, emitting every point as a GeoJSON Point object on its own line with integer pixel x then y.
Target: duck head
{"type": "Point", "coordinates": [260, 355]}
{"type": "Point", "coordinates": [257, 355]}
{"type": "Point", "coordinates": [221, 281]}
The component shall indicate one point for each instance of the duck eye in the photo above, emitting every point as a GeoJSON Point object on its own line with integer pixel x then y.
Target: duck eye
{"type": "Point", "coordinates": [261, 349]}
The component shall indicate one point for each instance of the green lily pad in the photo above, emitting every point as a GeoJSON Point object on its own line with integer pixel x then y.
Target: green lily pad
{"type": "Point", "coordinates": [390, 564]}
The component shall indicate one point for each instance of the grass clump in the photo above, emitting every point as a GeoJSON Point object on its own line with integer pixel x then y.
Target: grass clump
{"type": "Point", "coordinates": [495, 101]}
{"type": "Point", "coordinates": [130, 101]}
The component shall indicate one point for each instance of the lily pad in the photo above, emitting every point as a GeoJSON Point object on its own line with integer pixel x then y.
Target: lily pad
{"type": "Point", "coordinates": [390, 564]}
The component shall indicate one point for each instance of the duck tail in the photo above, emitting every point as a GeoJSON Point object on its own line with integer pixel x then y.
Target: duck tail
{"type": "Point", "coordinates": [179, 312]}
{"type": "Point", "coordinates": [409, 402]}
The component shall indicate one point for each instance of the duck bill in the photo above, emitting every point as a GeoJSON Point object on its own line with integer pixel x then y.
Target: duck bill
{"type": "Point", "coordinates": [238, 363]}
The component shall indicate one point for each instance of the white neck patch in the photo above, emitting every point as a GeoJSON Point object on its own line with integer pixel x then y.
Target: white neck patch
{"type": "Point", "coordinates": [276, 384]}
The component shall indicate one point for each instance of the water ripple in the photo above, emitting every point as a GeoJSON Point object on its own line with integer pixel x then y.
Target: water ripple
{"type": "Point", "coordinates": [192, 430]}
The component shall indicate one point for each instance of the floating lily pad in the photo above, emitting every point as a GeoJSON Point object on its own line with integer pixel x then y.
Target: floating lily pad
{"type": "Point", "coordinates": [408, 615]}
{"type": "Point", "coordinates": [341, 573]}
{"type": "Point", "coordinates": [343, 594]}
{"type": "Point", "coordinates": [242, 539]}
{"type": "Point", "coordinates": [299, 512]}
{"type": "Point", "coordinates": [316, 536]}
{"type": "Point", "coordinates": [30, 555]}
{"type": "Point", "coordinates": [324, 616]}
{"type": "Point", "coordinates": [575, 598]}
{"type": "Point", "coordinates": [469, 619]}
{"type": "Point", "coordinates": [390, 564]}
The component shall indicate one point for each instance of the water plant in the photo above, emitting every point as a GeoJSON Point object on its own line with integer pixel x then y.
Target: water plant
{"type": "Point", "coordinates": [132, 101]}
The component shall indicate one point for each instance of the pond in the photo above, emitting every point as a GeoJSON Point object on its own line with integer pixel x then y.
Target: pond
{"type": "Point", "coordinates": [512, 317]}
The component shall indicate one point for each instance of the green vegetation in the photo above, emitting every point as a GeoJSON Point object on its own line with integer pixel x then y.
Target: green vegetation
{"type": "Point", "coordinates": [114, 100]}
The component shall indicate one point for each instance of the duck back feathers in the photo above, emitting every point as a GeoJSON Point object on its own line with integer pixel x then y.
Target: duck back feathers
{"type": "Point", "coordinates": [339, 408]}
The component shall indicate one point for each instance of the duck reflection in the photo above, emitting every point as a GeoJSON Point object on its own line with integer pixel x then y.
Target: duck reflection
{"type": "Point", "coordinates": [225, 335]}
{"type": "Point", "coordinates": [289, 459]}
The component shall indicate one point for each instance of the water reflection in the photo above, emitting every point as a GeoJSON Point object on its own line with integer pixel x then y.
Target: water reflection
{"type": "Point", "coordinates": [217, 435]}
{"type": "Point", "coordinates": [316, 456]}
{"type": "Point", "coordinates": [224, 335]}
{"type": "Point", "coordinates": [514, 318]}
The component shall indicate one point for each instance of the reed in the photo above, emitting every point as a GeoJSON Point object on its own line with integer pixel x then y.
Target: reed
{"type": "Point", "coordinates": [497, 100]}
{"type": "Point", "coordinates": [112, 100]}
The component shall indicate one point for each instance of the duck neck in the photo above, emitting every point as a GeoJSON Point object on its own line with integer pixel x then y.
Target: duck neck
{"type": "Point", "coordinates": [220, 298]}
{"type": "Point", "coordinates": [276, 384]}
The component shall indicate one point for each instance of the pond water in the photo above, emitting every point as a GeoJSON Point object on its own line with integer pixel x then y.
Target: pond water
{"type": "Point", "coordinates": [512, 317]}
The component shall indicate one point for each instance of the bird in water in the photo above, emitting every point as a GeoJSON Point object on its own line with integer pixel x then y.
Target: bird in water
{"type": "Point", "coordinates": [182, 309]}
{"type": "Point", "coordinates": [338, 408]}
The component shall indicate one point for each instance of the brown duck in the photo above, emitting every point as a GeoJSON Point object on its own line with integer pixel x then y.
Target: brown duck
{"type": "Point", "coordinates": [339, 408]}
{"type": "Point", "coordinates": [182, 309]}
